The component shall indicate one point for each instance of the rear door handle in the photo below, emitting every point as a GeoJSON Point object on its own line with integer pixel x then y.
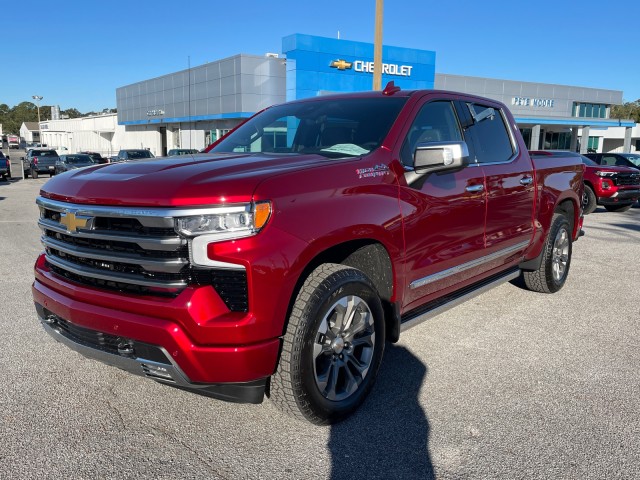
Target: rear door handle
{"type": "Point", "coordinates": [526, 180]}
{"type": "Point", "coordinates": [474, 188]}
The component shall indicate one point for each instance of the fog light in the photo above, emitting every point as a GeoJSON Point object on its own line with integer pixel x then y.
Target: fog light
{"type": "Point", "coordinates": [606, 185]}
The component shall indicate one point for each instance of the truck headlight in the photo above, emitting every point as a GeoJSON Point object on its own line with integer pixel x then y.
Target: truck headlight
{"type": "Point", "coordinates": [600, 173]}
{"type": "Point", "coordinates": [226, 223]}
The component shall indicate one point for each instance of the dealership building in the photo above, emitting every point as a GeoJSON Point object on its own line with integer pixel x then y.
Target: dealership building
{"type": "Point", "coordinates": [194, 107]}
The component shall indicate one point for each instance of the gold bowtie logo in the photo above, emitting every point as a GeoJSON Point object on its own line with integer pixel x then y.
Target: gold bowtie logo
{"type": "Point", "coordinates": [341, 64]}
{"type": "Point", "coordinates": [73, 221]}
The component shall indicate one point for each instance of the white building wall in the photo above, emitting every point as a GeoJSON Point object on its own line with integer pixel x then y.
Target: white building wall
{"type": "Point", "coordinates": [612, 139]}
{"type": "Point", "coordinates": [100, 134]}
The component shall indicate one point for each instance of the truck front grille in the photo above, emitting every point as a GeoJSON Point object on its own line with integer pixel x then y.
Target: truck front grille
{"type": "Point", "coordinates": [133, 251]}
{"type": "Point", "coordinates": [627, 179]}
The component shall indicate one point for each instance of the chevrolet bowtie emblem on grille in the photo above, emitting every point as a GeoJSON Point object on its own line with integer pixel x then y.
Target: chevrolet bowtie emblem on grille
{"type": "Point", "coordinates": [341, 64]}
{"type": "Point", "coordinates": [73, 221]}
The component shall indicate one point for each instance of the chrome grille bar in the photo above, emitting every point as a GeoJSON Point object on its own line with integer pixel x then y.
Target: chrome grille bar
{"type": "Point", "coordinates": [112, 277]}
{"type": "Point", "coordinates": [171, 265]}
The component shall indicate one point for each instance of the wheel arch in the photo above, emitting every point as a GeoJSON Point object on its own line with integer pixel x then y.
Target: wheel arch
{"type": "Point", "coordinates": [367, 255]}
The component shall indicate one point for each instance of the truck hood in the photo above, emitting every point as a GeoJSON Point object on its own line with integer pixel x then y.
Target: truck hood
{"type": "Point", "coordinates": [612, 168]}
{"type": "Point", "coordinates": [208, 179]}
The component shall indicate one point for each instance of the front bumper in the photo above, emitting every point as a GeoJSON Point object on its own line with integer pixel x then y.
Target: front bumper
{"type": "Point", "coordinates": [144, 360]}
{"type": "Point", "coordinates": [156, 348]}
{"type": "Point", "coordinates": [620, 197]}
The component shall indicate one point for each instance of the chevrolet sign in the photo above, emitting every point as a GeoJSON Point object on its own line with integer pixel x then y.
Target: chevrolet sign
{"type": "Point", "coordinates": [367, 67]}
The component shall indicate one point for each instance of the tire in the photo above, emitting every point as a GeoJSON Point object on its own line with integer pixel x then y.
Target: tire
{"type": "Point", "coordinates": [327, 368]}
{"type": "Point", "coordinates": [589, 201]}
{"type": "Point", "coordinates": [618, 208]}
{"type": "Point", "coordinates": [34, 173]}
{"type": "Point", "coordinates": [556, 259]}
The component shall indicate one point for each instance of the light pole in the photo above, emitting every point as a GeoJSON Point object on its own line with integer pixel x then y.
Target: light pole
{"type": "Point", "coordinates": [37, 98]}
{"type": "Point", "coordinates": [377, 47]}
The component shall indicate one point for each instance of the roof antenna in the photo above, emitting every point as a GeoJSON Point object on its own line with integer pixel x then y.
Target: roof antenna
{"type": "Point", "coordinates": [390, 89]}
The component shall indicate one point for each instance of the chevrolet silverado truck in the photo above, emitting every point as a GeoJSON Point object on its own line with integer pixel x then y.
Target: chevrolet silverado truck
{"type": "Point", "coordinates": [5, 166]}
{"type": "Point", "coordinates": [281, 261]}
{"type": "Point", "coordinates": [615, 187]}
{"type": "Point", "coordinates": [39, 161]}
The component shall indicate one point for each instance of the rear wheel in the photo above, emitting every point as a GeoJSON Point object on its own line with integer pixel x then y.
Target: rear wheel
{"type": "Point", "coordinates": [589, 200]}
{"type": "Point", "coordinates": [556, 259]}
{"type": "Point", "coordinates": [618, 208]}
{"type": "Point", "coordinates": [332, 348]}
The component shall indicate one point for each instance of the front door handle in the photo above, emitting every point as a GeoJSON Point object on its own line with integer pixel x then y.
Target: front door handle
{"type": "Point", "coordinates": [527, 180]}
{"type": "Point", "coordinates": [474, 188]}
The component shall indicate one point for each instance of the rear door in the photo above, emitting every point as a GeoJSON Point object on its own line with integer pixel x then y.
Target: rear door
{"type": "Point", "coordinates": [509, 178]}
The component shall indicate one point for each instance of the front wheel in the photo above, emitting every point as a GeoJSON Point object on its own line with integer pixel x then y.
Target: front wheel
{"type": "Point", "coordinates": [556, 259]}
{"type": "Point", "coordinates": [332, 347]}
{"type": "Point", "coordinates": [589, 201]}
{"type": "Point", "coordinates": [618, 208]}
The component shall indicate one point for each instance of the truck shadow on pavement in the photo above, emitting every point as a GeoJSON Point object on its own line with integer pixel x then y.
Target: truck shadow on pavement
{"type": "Point", "coordinates": [388, 436]}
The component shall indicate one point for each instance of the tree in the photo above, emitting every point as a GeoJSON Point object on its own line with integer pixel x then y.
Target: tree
{"type": "Point", "coordinates": [71, 112]}
{"type": "Point", "coordinates": [12, 118]}
{"type": "Point", "coordinates": [628, 110]}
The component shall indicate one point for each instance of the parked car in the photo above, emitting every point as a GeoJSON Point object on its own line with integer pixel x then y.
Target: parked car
{"type": "Point", "coordinates": [73, 161]}
{"type": "Point", "coordinates": [96, 157]}
{"type": "Point", "coordinates": [618, 159]}
{"type": "Point", "coordinates": [181, 151]}
{"type": "Point", "coordinates": [39, 161]}
{"type": "Point", "coordinates": [250, 273]}
{"type": "Point", "coordinates": [5, 166]}
{"type": "Point", "coordinates": [134, 154]}
{"type": "Point", "coordinates": [616, 188]}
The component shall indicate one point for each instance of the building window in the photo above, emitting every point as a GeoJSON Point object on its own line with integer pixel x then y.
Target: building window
{"type": "Point", "coordinates": [593, 144]}
{"type": "Point", "coordinates": [557, 140]}
{"type": "Point", "coordinates": [590, 110]}
{"type": "Point", "coordinates": [526, 136]}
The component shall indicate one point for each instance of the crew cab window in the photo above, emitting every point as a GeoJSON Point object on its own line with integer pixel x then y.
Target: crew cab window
{"type": "Point", "coordinates": [344, 127]}
{"type": "Point", "coordinates": [491, 138]}
{"type": "Point", "coordinates": [435, 122]}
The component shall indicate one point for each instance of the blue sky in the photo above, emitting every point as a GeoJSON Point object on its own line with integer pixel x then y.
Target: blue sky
{"type": "Point", "coordinates": [75, 54]}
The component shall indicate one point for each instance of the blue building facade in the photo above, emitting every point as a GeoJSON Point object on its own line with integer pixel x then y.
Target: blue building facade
{"type": "Point", "coordinates": [319, 65]}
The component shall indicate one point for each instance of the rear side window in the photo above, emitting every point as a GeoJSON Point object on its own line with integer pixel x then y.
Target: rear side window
{"type": "Point", "coordinates": [45, 153]}
{"type": "Point", "coordinates": [491, 138]}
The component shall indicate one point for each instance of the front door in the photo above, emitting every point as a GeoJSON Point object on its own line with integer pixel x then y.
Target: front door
{"type": "Point", "coordinates": [443, 212]}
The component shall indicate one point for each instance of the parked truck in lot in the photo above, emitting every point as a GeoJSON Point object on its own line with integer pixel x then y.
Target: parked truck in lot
{"type": "Point", "coordinates": [615, 187]}
{"type": "Point", "coordinates": [282, 261]}
{"type": "Point", "coordinates": [13, 141]}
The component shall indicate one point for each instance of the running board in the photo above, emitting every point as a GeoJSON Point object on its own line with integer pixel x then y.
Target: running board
{"type": "Point", "coordinates": [416, 317]}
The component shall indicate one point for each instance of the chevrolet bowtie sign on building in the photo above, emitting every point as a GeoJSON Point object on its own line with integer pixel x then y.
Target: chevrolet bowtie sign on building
{"type": "Point", "coordinates": [341, 65]}
{"type": "Point", "coordinates": [367, 67]}
{"type": "Point", "coordinates": [319, 65]}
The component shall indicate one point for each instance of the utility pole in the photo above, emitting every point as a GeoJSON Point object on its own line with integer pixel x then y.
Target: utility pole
{"type": "Point", "coordinates": [377, 47]}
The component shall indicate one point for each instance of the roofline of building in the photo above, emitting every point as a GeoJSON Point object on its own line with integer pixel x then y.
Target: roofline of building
{"type": "Point", "coordinates": [576, 122]}
{"type": "Point", "coordinates": [194, 118]}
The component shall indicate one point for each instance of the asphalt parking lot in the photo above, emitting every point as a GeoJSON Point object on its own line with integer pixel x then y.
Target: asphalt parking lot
{"type": "Point", "coordinates": [512, 384]}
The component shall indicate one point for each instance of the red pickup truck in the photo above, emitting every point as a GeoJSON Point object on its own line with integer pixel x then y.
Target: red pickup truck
{"type": "Point", "coordinates": [615, 187]}
{"type": "Point", "coordinates": [280, 262]}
